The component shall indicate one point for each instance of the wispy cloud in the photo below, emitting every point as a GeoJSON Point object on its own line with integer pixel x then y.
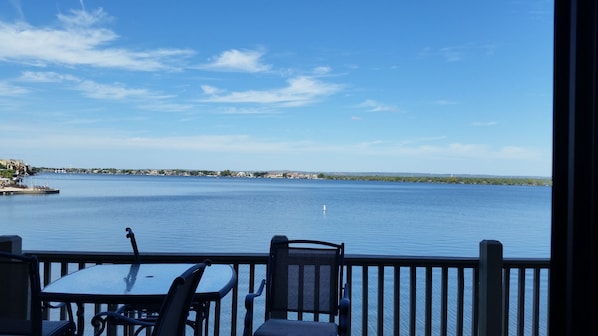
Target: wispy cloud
{"type": "Point", "coordinates": [7, 89]}
{"type": "Point", "coordinates": [484, 123]}
{"type": "Point", "coordinates": [374, 106]}
{"type": "Point", "coordinates": [426, 150]}
{"type": "Point", "coordinates": [452, 54]}
{"type": "Point", "coordinates": [80, 40]}
{"type": "Point", "coordinates": [164, 106]}
{"type": "Point", "coordinates": [459, 52]}
{"type": "Point", "coordinates": [210, 90]}
{"type": "Point", "coordinates": [487, 152]}
{"type": "Point", "coordinates": [300, 91]}
{"type": "Point", "coordinates": [444, 102]}
{"type": "Point", "coordinates": [248, 111]}
{"type": "Point", "coordinates": [45, 77]}
{"type": "Point", "coordinates": [16, 4]}
{"type": "Point", "coordinates": [237, 60]}
{"type": "Point", "coordinates": [147, 99]}
{"type": "Point", "coordinates": [322, 70]}
{"type": "Point", "coordinates": [113, 92]}
{"type": "Point", "coordinates": [90, 88]}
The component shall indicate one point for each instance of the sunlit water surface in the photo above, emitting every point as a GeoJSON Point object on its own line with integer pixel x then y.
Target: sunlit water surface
{"type": "Point", "coordinates": [205, 214]}
{"type": "Point", "coordinates": [239, 215]}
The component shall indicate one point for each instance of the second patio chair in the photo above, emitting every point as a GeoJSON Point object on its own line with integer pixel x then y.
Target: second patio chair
{"type": "Point", "coordinates": [20, 302]}
{"type": "Point", "coordinates": [304, 290]}
{"type": "Point", "coordinates": [172, 318]}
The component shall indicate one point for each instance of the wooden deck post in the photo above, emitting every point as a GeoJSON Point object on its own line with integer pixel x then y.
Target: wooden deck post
{"type": "Point", "coordinates": [14, 280]}
{"type": "Point", "coordinates": [490, 288]}
{"type": "Point", "coordinates": [11, 244]}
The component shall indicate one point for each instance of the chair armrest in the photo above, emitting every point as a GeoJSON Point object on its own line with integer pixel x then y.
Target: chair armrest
{"type": "Point", "coordinates": [101, 319]}
{"type": "Point", "coordinates": [344, 319]}
{"type": "Point", "coordinates": [248, 327]}
{"type": "Point", "coordinates": [57, 305]}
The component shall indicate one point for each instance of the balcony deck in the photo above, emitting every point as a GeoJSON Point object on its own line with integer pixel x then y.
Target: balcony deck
{"type": "Point", "coordinates": [390, 295]}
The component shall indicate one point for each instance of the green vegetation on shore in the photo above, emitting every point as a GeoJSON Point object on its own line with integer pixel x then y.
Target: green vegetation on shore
{"type": "Point", "coordinates": [6, 173]}
{"type": "Point", "coordinates": [491, 180]}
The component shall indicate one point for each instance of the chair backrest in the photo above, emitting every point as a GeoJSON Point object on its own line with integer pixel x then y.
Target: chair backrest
{"type": "Point", "coordinates": [175, 308]}
{"type": "Point", "coordinates": [20, 285]}
{"type": "Point", "coordinates": [304, 276]}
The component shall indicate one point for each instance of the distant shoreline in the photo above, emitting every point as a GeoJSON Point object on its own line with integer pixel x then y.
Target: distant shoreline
{"type": "Point", "coordinates": [380, 177]}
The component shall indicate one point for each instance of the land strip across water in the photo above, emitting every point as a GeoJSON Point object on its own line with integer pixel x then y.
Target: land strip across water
{"type": "Point", "coordinates": [383, 177]}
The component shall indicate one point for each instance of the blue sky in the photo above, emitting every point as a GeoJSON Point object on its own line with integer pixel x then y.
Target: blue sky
{"type": "Point", "coordinates": [430, 86]}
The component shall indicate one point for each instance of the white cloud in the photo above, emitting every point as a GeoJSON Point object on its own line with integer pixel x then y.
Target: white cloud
{"type": "Point", "coordinates": [45, 77]}
{"type": "Point", "coordinates": [16, 4]}
{"type": "Point", "coordinates": [300, 91]}
{"type": "Point", "coordinates": [322, 70]}
{"type": "Point", "coordinates": [114, 92]}
{"type": "Point", "coordinates": [374, 106]}
{"type": "Point", "coordinates": [163, 106]}
{"type": "Point", "coordinates": [459, 52]}
{"type": "Point", "coordinates": [443, 102]}
{"type": "Point", "coordinates": [485, 123]}
{"type": "Point", "coordinates": [248, 111]}
{"type": "Point", "coordinates": [7, 90]}
{"type": "Point", "coordinates": [83, 19]}
{"type": "Point", "coordinates": [452, 54]}
{"type": "Point", "coordinates": [79, 42]}
{"type": "Point", "coordinates": [487, 152]}
{"type": "Point", "coordinates": [236, 60]}
{"type": "Point", "coordinates": [210, 90]}
{"type": "Point", "coordinates": [97, 90]}
{"type": "Point", "coordinates": [421, 149]}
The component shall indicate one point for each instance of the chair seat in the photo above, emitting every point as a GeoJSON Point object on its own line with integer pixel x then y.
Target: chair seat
{"type": "Point", "coordinates": [51, 328]}
{"type": "Point", "coordinates": [278, 327]}
{"type": "Point", "coordinates": [23, 327]}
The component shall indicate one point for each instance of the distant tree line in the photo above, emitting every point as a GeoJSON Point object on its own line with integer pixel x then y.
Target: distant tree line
{"type": "Point", "coordinates": [491, 180]}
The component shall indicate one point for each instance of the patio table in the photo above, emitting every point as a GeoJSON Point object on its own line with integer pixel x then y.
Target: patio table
{"type": "Point", "coordinates": [144, 284]}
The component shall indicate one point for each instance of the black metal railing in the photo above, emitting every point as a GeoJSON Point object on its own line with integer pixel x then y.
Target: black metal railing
{"type": "Point", "coordinates": [390, 295]}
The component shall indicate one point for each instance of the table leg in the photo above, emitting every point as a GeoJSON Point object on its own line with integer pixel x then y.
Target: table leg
{"type": "Point", "coordinates": [80, 318]}
{"type": "Point", "coordinates": [206, 316]}
{"type": "Point", "coordinates": [202, 314]}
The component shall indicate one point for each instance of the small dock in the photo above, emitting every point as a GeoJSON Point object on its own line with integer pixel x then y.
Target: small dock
{"type": "Point", "coordinates": [35, 190]}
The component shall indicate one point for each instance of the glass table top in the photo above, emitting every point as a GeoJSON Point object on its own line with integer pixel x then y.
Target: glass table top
{"type": "Point", "coordinates": [128, 281]}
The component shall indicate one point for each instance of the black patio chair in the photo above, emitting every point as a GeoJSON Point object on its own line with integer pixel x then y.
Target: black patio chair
{"type": "Point", "coordinates": [304, 284]}
{"type": "Point", "coordinates": [172, 317]}
{"type": "Point", "coordinates": [21, 305]}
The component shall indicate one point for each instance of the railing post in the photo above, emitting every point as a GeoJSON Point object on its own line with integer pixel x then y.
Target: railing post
{"type": "Point", "coordinates": [490, 288]}
{"type": "Point", "coordinates": [17, 281]}
{"type": "Point", "coordinates": [11, 244]}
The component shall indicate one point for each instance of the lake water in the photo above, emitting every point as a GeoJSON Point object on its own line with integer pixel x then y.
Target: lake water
{"type": "Point", "coordinates": [207, 214]}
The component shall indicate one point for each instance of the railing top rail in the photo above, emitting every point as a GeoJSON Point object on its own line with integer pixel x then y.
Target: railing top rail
{"type": "Point", "coordinates": [261, 258]}
{"type": "Point", "coordinates": [526, 262]}
{"type": "Point", "coordinates": [418, 261]}
{"type": "Point", "coordinates": [163, 257]}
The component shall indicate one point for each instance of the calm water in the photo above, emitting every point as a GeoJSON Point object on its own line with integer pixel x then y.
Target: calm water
{"type": "Point", "coordinates": [202, 214]}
